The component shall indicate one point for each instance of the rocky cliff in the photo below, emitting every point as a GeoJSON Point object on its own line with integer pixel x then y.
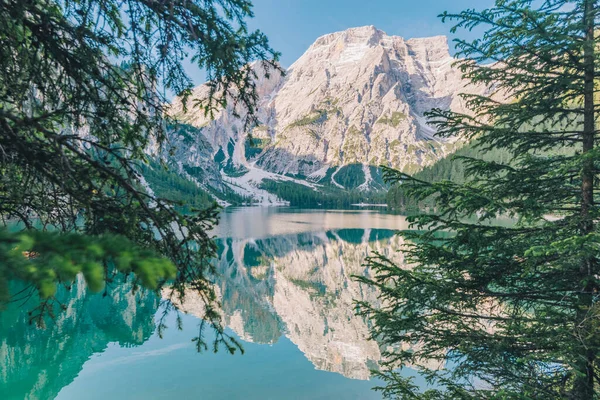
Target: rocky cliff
{"type": "Point", "coordinates": [355, 99]}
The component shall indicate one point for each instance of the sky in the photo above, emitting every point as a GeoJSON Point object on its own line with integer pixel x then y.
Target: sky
{"type": "Point", "coordinates": [293, 25]}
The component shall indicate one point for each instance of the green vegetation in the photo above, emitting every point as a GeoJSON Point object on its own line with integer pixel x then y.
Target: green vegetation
{"type": "Point", "coordinates": [313, 134]}
{"type": "Point", "coordinates": [395, 143]}
{"type": "Point", "coordinates": [394, 120]}
{"type": "Point", "coordinates": [511, 309]}
{"type": "Point", "coordinates": [174, 187]}
{"type": "Point", "coordinates": [47, 259]}
{"type": "Point", "coordinates": [350, 176]}
{"type": "Point", "coordinates": [234, 170]}
{"type": "Point", "coordinates": [230, 168]}
{"type": "Point", "coordinates": [452, 168]}
{"type": "Point", "coordinates": [315, 288]}
{"type": "Point", "coordinates": [219, 156]}
{"type": "Point", "coordinates": [318, 116]}
{"type": "Point", "coordinates": [377, 178]}
{"type": "Point", "coordinates": [254, 146]}
{"type": "Point", "coordinates": [187, 194]}
{"type": "Point", "coordinates": [329, 197]}
{"type": "Point", "coordinates": [331, 105]}
{"type": "Point", "coordinates": [75, 126]}
{"type": "Point", "coordinates": [261, 128]}
{"type": "Point", "coordinates": [355, 145]}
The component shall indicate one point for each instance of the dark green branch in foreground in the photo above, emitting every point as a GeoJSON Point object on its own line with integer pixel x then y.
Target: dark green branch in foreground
{"type": "Point", "coordinates": [507, 311]}
{"type": "Point", "coordinates": [83, 102]}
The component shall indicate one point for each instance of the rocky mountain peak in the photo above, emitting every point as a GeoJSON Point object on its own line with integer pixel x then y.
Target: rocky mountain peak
{"type": "Point", "coordinates": [353, 101]}
{"type": "Point", "coordinates": [430, 49]}
{"type": "Point", "coordinates": [364, 35]}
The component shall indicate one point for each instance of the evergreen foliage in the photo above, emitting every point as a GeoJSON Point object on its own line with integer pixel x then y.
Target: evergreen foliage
{"type": "Point", "coordinates": [511, 310]}
{"type": "Point", "coordinates": [46, 259]}
{"type": "Point", "coordinates": [327, 196]}
{"type": "Point", "coordinates": [350, 176]}
{"type": "Point", "coordinates": [452, 168]}
{"type": "Point", "coordinates": [172, 186]}
{"type": "Point", "coordinates": [82, 98]}
{"type": "Point", "coordinates": [183, 192]}
{"type": "Point", "coordinates": [254, 146]}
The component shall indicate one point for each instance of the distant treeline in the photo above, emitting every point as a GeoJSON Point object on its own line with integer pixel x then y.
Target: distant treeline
{"type": "Point", "coordinates": [170, 185]}
{"type": "Point", "coordinates": [302, 196]}
{"type": "Point", "coordinates": [450, 168]}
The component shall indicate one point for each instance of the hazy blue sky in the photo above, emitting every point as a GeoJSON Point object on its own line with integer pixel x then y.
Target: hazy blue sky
{"type": "Point", "coordinates": [293, 25]}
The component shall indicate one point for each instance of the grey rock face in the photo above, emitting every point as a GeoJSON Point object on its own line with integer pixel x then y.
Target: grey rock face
{"type": "Point", "coordinates": [354, 97]}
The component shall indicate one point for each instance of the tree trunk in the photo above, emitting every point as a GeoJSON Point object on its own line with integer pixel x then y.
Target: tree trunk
{"type": "Point", "coordinates": [584, 383]}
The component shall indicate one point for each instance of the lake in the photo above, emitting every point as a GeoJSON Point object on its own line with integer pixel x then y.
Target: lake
{"type": "Point", "coordinates": [287, 294]}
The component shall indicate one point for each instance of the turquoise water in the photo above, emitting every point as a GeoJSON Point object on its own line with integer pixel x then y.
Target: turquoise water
{"type": "Point", "coordinates": [286, 293]}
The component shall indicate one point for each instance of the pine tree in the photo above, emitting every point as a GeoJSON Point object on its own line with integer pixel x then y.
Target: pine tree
{"type": "Point", "coordinates": [83, 95]}
{"type": "Point", "coordinates": [511, 311]}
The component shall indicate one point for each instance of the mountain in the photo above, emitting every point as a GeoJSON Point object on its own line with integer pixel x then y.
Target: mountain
{"type": "Point", "coordinates": [37, 363]}
{"type": "Point", "coordinates": [353, 101]}
{"type": "Point", "coordinates": [302, 286]}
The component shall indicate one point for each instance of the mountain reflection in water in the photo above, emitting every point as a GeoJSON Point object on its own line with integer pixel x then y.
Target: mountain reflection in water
{"type": "Point", "coordinates": [301, 286]}
{"type": "Point", "coordinates": [286, 290]}
{"type": "Point", "coordinates": [37, 363]}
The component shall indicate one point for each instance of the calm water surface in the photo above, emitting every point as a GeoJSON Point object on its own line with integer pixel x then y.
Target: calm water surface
{"type": "Point", "coordinates": [286, 292]}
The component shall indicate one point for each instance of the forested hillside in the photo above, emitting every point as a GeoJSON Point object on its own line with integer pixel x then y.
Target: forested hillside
{"type": "Point", "coordinates": [451, 168]}
{"type": "Point", "coordinates": [327, 196]}
{"type": "Point", "coordinates": [170, 185]}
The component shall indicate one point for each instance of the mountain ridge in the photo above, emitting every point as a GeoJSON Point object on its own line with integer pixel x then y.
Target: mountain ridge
{"type": "Point", "coordinates": [354, 98]}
